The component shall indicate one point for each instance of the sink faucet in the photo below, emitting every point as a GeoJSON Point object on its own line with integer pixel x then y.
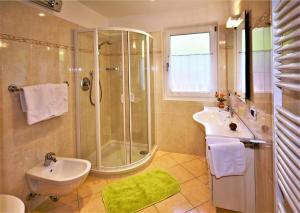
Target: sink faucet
{"type": "Point", "coordinates": [48, 158]}
{"type": "Point", "coordinates": [231, 110]}
{"type": "Point", "coordinates": [229, 107]}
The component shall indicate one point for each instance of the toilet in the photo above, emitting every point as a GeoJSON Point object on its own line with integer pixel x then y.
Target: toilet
{"type": "Point", "coordinates": [11, 204]}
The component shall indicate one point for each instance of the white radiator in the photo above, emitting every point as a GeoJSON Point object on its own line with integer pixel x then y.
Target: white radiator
{"type": "Point", "coordinates": [286, 22]}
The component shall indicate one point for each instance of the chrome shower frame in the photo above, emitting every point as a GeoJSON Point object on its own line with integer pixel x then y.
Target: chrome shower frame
{"type": "Point", "coordinates": [131, 166]}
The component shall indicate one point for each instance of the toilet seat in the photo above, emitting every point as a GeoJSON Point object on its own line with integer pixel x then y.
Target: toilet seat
{"type": "Point", "coordinates": [11, 204]}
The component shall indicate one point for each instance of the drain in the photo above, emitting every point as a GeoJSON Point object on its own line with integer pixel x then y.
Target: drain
{"type": "Point", "coordinates": [143, 152]}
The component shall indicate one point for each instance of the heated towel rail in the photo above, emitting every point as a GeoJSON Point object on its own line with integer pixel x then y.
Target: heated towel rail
{"type": "Point", "coordinates": [286, 39]}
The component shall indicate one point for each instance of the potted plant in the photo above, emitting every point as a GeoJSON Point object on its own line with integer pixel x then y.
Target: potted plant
{"type": "Point", "coordinates": [221, 99]}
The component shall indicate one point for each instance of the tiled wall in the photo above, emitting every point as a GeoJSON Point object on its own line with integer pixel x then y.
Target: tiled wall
{"type": "Point", "coordinates": [34, 50]}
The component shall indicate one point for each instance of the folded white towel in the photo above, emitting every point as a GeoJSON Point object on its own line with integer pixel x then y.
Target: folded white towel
{"type": "Point", "coordinates": [227, 158]}
{"type": "Point", "coordinates": [44, 101]}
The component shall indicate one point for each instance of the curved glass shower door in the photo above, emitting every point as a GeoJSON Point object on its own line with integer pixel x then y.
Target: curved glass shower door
{"type": "Point", "coordinates": [123, 108]}
{"type": "Point", "coordinates": [113, 111]}
{"type": "Point", "coordinates": [113, 103]}
{"type": "Point", "coordinates": [138, 96]}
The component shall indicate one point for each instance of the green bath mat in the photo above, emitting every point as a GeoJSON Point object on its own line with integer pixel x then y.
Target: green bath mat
{"type": "Point", "coordinates": [139, 191]}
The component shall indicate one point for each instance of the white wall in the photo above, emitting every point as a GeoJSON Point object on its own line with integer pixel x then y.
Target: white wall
{"type": "Point", "coordinates": [77, 13]}
{"type": "Point", "coordinates": [215, 12]}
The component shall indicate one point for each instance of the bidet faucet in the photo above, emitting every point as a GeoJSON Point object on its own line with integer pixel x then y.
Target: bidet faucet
{"type": "Point", "coordinates": [49, 158]}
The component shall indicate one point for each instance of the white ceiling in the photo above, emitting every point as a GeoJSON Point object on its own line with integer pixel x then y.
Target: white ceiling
{"type": "Point", "coordinates": [119, 8]}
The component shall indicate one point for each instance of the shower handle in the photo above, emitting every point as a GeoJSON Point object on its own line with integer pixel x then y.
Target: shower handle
{"type": "Point", "coordinates": [91, 89]}
{"type": "Point", "coordinates": [132, 97]}
{"type": "Point", "coordinates": [122, 99]}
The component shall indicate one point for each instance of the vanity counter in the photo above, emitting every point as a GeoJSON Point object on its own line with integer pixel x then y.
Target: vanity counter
{"type": "Point", "coordinates": [216, 122]}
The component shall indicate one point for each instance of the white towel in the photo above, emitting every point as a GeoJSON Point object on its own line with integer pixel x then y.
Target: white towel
{"type": "Point", "coordinates": [61, 99]}
{"type": "Point", "coordinates": [227, 158]}
{"type": "Point", "coordinates": [44, 101]}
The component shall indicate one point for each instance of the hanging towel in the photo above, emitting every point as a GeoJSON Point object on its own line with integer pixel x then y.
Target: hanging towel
{"type": "Point", "coordinates": [44, 101]}
{"type": "Point", "coordinates": [227, 158]}
{"type": "Point", "coordinates": [214, 139]}
{"type": "Point", "coordinates": [61, 99]}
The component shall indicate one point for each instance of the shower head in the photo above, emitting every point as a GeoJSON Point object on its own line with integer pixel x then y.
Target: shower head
{"type": "Point", "coordinates": [104, 42]}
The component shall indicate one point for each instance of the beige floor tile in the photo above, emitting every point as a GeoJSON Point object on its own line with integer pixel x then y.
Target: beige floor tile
{"type": "Point", "coordinates": [219, 210]}
{"type": "Point", "coordinates": [161, 153]}
{"type": "Point", "coordinates": [206, 207]}
{"type": "Point", "coordinates": [193, 211]}
{"type": "Point", "coordinates": [69, 198]}
{"type": "Point", "coordinates": [164, 161]}
{"type": "Point", "coordinates": [181, 158]}
{"type": "Point", "coordinates": [92, 204]}
{"type": "Point", "coordinates": [175, 204]}
{"type": "Point", "coordinates": [196, 167]}
{"type": "Point", "coordinates": [180, 173]}
{"type": "Point", "coordinates": [150, 167]}
{"type": "Point", "coordinates": [53, 207]}
{"type": "Point", "coordinates": [114, 178]}
{"type": "Point", "coordinates": [195, 192]}
{"type": "Point", "coordinates": [70, 207]}
{"type": "Point", "coordinates": [204, 179]}
{"type": "Point", "coordinates": [150, 209]}
{"type": "Point", "coordinates": [91, 186]}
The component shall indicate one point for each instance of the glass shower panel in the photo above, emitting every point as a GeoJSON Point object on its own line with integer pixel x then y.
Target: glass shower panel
{"type": "Point", "coordinates": [87, 117]}
{"type": "Point", "coordinates": [152, 92]}
{"type": "Point", "coordinates": [113, 147]}
{"type": "Point", "coordinates": [138, 96]}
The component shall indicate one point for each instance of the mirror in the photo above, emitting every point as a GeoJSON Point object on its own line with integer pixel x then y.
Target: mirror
{"type": "Point", "coordinates": [261, 65]}
{"type": "Point", "coordinates": [239, 76]}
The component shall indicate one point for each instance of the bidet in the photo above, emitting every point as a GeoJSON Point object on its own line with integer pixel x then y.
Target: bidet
{"type": "Point", "coordinates": [59, 178]}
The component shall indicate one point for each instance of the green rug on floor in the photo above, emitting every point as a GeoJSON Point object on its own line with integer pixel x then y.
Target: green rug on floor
{"type": "Point", "coordinates": [139, 191]}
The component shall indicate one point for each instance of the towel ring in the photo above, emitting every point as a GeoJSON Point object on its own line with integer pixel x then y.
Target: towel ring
{"type": "Point", "coordinates": [15, 88]}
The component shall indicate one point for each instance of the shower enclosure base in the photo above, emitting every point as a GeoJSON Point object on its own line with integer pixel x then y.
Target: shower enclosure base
{"type": "Point", "coordinates": [115, 161]}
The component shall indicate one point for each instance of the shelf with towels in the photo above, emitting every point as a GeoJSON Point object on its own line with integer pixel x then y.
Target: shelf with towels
{"type": "Point", "coordinates": [15, 88]}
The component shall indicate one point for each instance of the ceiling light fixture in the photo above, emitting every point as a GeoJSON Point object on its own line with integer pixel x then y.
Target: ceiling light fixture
{"type": "Point", "coordinates": [233, 22]}
{"type": "Point", "coordinates": [41, 14]}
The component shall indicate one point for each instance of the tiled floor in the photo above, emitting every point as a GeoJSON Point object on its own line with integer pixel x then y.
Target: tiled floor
{"type": "Point", "coordinates": [190, 170]}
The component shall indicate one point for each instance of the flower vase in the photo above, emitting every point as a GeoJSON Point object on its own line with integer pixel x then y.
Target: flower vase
{"type": "Point", "coordinates": [221, 105]}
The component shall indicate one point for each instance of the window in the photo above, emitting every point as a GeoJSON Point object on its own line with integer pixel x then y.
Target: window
{"type": "Point", "coordinates": [191, 62]}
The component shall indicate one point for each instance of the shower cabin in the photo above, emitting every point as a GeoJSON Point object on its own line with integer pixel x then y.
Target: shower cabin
{"type": "Point", "coordinates": [114, 98]}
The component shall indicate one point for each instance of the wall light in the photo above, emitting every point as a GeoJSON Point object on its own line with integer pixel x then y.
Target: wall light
{"type": "Point", "coordinates": [41, 14]}
{"type": "Point", "coordinates": [233, 22]}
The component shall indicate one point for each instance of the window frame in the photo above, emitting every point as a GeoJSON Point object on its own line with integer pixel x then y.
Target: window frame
{"type": "Point", "coordinates": [212, 30]}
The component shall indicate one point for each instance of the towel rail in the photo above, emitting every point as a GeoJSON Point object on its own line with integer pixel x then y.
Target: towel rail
{"type": "Point", "coordinates": [15, 88]}
{"type": "Point", "coordinates": [250, 143]}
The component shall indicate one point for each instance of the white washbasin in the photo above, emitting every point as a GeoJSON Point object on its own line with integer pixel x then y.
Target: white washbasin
{"type": "Point", "coordinates": [216, 123]}
{"type": "Point", "coordinates": [60, 178]}
{"type": "Point", "coordinates": [11, 204]}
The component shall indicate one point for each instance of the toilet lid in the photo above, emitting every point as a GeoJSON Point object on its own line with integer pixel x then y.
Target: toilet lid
{"type": "Point", "coordinates": [11, 204]}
